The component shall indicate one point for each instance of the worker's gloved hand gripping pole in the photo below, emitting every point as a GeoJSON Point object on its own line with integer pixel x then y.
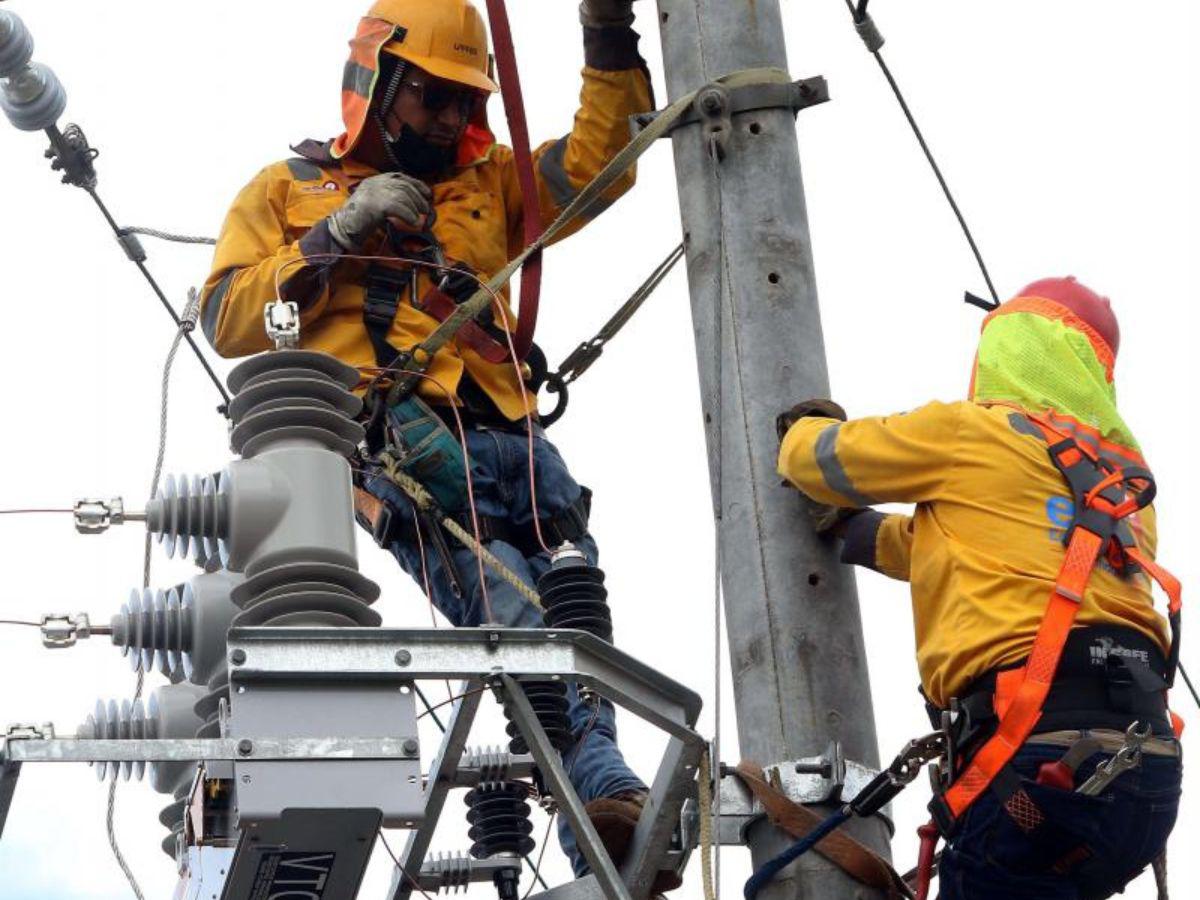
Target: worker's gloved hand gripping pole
{"type": "Point", "coordinates": [826, 519]}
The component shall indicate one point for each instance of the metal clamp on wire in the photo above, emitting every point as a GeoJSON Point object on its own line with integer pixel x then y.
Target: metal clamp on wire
{"type": "Point", "coordinates": [97, 516]}
{"type": "Point", "coordinates": [28, 732]}
{"type": "Point", "coordinates": [867, 29]}
{"type": "Point", "coordinates": [60, 630]}
{"type": "Point", "coordinates": [281, 319]}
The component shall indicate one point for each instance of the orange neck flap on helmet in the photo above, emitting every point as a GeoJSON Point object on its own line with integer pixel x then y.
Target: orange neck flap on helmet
{"type": "Point", "coordinates": [358, 87]}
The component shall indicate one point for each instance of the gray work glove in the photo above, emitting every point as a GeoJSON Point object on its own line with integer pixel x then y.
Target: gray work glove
{"type": "Point", "coordinates": [606, 13]}
{"type": "Point", "coordinates": [391, 195]}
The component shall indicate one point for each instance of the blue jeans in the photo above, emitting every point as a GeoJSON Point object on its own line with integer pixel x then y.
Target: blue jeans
{"type": "Point", "coordinates": [500, 473]}
{"type": "Point", "coordinates": [1088, 848]}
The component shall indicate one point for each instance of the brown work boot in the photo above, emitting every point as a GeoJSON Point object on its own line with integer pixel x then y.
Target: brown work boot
{"type": "Point", "coordinates": [615, 819]}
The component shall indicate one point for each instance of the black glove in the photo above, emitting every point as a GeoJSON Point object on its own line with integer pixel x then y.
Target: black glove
{"type": "Point", "coordinates": [606, 13]}
{"type": "Point", "coordinates": [824, 409]}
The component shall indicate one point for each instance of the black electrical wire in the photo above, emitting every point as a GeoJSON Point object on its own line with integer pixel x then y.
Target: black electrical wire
{"type": "Point", "coordinates": [429, 709]}
{"type": "Point", "coordinates": [163, 299]}
{"type": "Point", "coordinates": [859, 15]}
{"type": "Point", "coordinates": [1188, 682]}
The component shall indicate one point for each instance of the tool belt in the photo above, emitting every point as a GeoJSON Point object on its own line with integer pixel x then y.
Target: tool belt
{"type": "Point", "coordinates": [1108, 677]}
{"type": "Point", "coordinates": [388, 523]}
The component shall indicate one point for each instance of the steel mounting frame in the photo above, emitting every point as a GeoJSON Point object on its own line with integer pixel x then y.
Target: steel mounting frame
{"type": "Point", "coordinates": [492, 658]}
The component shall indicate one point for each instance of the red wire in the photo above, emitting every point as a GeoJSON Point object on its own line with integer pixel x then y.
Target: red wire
{"type": "Point", "coordinates": [428, 589]}
{"type": "Point", "coordinates": [537, 524]}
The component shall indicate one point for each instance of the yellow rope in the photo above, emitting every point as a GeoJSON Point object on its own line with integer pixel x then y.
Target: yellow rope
{"type": "Point", "coordinates": [425, 502]}
{"type": "Point", "coordinates": [706, 825]}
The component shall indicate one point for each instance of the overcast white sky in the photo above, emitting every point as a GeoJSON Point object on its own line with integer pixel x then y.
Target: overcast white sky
{"type": "Point", "coordinates": [1069, 131]}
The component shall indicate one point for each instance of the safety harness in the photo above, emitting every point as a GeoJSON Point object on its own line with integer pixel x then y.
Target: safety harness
{"type": "Point", "coordinates": [1105, 495]}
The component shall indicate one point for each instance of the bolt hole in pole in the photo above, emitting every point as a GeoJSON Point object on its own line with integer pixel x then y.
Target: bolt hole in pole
{"type": "Point", "coordinates": [774, 278]}
{"type": "Point", "coordinates": [814, 579]}
{"type": "Point", "coordinates": [755, 128]}
{"type": "Point", "coordinates": [665, 16]}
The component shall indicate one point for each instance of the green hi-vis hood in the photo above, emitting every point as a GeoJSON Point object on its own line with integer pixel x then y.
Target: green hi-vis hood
{"type": "Point", "coordinates": [1039, 356]}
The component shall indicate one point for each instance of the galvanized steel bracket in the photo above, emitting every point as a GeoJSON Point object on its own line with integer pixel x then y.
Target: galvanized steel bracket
{"type": "Point", "coordinates": [811, 780]}
{"type": "Point", "coordinates": [796, 96]}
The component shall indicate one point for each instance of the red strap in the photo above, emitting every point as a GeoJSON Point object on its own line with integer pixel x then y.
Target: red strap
{"type": "Point", "coordinates": [514, 108]}
{"type": "Point", "coordinates": [440, 306]}
{"type": "Point", "coordinates": [928, 833]}
{"type": "Point", "coordinates": [1019, 720]}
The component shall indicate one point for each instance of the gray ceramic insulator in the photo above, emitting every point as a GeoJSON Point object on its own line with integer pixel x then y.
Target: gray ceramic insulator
{"type": "Point", "coordinates": [283, 514]}
{"type": "Point", "coordinates": [190, 516]}
{"type": "Point", "coordinates": [172, 818]}
{"type": "Point", "coordinates": [170, 713]}
{"type": "Point", "coordinates": [33, 98]}
{"type": "Point", "coordinates": [16, 44]}
{"type": "Point", "coordinates": [181, 633]}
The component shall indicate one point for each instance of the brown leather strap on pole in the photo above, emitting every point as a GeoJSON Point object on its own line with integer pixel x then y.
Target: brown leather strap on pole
{"type": "Point", "coordinates": [859, 862]}
{"type": "Point", "coordinates": [514, 108]}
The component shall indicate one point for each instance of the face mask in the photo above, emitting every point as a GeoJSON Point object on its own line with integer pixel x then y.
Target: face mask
{"type": "Point", "coordinates": [414, 155]}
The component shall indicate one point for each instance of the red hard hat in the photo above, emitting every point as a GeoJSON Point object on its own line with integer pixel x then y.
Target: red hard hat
{"type": "Point", "coordinates": [1083, 301]}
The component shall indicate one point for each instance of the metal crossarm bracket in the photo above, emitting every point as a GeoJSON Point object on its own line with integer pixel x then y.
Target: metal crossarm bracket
{"type": "Point", "coordinates": [20, 748]}
{"type": "Point", "coordinates": [811, 780]}
{"type": "Point", "coordinates": [796, 96]}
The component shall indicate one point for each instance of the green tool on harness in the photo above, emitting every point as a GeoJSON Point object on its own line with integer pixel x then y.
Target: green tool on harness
{"type": "Point", "coordinates": [429, 452]}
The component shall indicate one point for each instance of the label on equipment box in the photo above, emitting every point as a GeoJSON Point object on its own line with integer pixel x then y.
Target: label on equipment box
{"type": "Point", "coordinates": [291, 876]}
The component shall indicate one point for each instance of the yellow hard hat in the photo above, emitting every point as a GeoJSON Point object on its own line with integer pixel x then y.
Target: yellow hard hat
{"type": "Point", "coordinates": [446, 38]}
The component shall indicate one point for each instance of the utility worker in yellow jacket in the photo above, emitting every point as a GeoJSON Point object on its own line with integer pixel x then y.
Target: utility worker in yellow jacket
{"type": "Point", "coordinates": [418, 176]}
{"type": "Point", "coordinates": [983, 551]}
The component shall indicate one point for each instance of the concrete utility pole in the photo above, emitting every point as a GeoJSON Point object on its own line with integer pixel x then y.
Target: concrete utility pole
{"type": "Point", "coordinates": [795, 636]}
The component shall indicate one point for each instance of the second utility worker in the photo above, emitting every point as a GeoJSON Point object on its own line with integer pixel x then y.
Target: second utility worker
{"type": "Point", "coordinates": [417, 171]}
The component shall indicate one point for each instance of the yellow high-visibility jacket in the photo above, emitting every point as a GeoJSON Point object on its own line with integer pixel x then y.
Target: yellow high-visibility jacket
{"type": "Point", "coordinates": [276, 231]}
{"type": "Point", "coordinates": [984, 545]}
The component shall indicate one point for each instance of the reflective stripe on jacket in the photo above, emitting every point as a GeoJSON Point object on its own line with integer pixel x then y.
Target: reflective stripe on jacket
{"type": "Point", "coordinates": [276, 228]}
{"type": "Point", "coordinates": [985, 542]}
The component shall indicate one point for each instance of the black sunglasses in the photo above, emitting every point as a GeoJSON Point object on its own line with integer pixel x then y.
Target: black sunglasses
{"type": "Point", "coordinates": [436, 95]}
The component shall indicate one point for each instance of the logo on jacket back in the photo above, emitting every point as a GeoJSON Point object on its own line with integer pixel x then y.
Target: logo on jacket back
{"type": "Point", "coordinates": [1061, 513]}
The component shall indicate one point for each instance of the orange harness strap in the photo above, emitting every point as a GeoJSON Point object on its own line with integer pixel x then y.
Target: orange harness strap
{"type": "Point", "coordinates": [1021, 693]}
{"type": "Point", "coordinates": [1024, 710]}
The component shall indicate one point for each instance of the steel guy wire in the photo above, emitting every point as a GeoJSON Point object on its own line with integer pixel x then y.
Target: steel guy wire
{"type": "Point", "coordinates": [158, 292]}
{"type": "Point", "coordinates": [859, 15]}
{"type": "Point", "coordinates": [187, 322]}
{"type": "Point", "coordinates": [169, 236]}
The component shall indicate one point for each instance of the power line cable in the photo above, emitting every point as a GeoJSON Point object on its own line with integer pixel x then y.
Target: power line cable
{"type": "Point", "coordinates": [138, 259]}
{"type": "Point", "coordinates": [873, 39]}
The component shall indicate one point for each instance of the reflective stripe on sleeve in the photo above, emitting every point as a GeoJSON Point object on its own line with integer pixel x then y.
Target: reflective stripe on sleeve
{"type": "Point", "coordinates": [552, 168]}
{"type": "Point", "coordinates": [212, 309]}
{"type": "Point", "coordinates": [831, 468]}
